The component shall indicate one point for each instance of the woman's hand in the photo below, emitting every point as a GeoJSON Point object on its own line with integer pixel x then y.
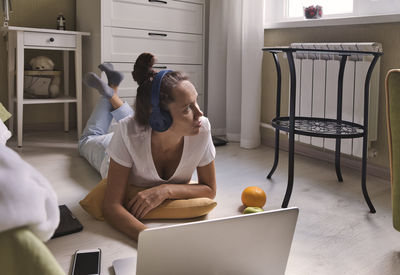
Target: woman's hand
{"type": "Point", "coordinates": [146, 200]}
{"type": "Point", "coordinates": [113, 209]}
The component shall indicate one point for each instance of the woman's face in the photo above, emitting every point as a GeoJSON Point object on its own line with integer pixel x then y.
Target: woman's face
{"type": "Point", "coordinates": [184, 110]}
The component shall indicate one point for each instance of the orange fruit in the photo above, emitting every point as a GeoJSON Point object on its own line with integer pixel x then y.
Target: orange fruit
{"type": "Point", "coordinates": [254, 196]}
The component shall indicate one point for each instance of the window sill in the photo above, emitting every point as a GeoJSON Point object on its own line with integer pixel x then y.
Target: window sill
{"type": "Point", "coordinates": [374, 19]}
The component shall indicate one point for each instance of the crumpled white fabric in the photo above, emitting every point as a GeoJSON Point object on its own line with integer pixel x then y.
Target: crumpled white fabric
{"type": "Point", "coordinates": [5, 134]}
{"type": "Point", "coordinates": [26, 197]}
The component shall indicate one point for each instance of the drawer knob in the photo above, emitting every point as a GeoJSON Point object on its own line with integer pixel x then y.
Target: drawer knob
{"type": "Point", "coordinates": [51, 39]}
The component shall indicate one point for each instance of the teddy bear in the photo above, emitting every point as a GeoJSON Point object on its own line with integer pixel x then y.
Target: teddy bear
{"type": "Point", "coordinates": [44, 63]}
{"type": "Point", "coordinates": [41, 63]}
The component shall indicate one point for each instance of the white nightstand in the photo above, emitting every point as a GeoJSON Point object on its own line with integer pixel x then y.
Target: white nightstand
{"type": "Point", "coordinates": [19, 39]}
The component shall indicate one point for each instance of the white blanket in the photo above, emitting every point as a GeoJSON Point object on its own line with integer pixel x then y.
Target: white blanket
{"type": "Point", "coordinates": [5, 134]}
{"type": "Point", "coordinates": [26, 197]}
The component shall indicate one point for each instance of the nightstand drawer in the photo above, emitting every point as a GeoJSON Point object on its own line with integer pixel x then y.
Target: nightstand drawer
{"type": "Point", "coordinates": [49, 40]}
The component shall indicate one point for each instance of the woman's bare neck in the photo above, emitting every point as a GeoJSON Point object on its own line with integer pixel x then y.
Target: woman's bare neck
{"type": "Point", "coordinates": [166, 141]}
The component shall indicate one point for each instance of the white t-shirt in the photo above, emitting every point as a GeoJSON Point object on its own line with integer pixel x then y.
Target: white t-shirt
{"type": "Point", "coordinates": [130, 146]}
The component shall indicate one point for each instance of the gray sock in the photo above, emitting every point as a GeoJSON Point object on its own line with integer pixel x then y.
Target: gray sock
{"type": "Point", "coordinates": [114, 77]}
{"type": "Point", "coordinates": [92, 80]}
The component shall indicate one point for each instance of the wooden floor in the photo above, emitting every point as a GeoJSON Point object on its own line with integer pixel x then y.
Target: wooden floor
{"type": "Point", "coordinates": [335, 233]}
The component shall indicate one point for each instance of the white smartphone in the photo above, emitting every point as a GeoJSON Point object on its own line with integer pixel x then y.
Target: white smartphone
{"type": "Point", "coordinates": [87, 262]}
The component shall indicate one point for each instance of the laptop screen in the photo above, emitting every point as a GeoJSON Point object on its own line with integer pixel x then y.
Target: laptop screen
{"type": "Point", "coordinates": [246, 244]}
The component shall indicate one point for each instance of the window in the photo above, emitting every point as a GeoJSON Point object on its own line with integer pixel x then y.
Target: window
{"type": "Point", "coordinates": [329, 7]}
{"type": "Point", "coordinates": [283, 13]}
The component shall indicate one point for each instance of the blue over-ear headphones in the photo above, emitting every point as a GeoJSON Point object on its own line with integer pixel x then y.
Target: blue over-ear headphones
{"type": "Point", "coordinates": [160, 120]}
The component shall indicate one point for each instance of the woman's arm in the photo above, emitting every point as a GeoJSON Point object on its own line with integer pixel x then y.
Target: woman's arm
{"type": "Point", "coordinates": [150, 198]}
{"type": "Point", "coordinates": [113, 209]}
{"type": "Point", "coordinates": [207, 187]}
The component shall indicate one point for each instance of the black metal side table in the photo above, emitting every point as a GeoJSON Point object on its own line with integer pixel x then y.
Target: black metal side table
{"type": "Point", "coordinates": [320, 127]}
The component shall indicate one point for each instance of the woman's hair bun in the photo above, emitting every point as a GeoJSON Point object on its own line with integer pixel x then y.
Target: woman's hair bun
{"type": "Point", "coordinates": [143, 68]}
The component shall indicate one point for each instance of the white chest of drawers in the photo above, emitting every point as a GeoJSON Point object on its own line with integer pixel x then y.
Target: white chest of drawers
{"type": "Point", "coordinates": [121, 30]}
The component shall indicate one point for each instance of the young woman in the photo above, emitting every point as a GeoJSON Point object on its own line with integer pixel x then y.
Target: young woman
{"type": "Point", "coordinates": [143, 153]}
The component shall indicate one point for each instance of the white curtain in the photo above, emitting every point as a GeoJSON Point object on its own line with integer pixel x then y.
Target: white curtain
{"type": "Point", "coordinates": [234, 77]}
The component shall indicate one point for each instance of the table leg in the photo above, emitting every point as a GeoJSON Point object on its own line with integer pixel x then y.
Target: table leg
{"type": "Point", "coordinates": [20, 86]}
{"type": "Point", "coordinates": [337, 159]}
{"type": "Point", "coordinates": [278, 112]}
{"type": "Point", "coordinates": [365, 137]}
{"type": "Point", "coordinates": [78, 83]}
{"type": "Point", "coordinates": [66, 89]}
{"type": "Point", "coordinates": [364, 175]}
{"type": "Point", "coordinates": [276, 159]}
{"type": "Point", "coordinates": [292, 110]}
{"type": "Point", "coordinates": [11, 78]}
{"type": "Point", "coordinates": [339, 110]}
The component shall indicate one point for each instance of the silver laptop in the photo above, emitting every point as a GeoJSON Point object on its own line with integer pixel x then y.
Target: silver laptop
{"type": "Point", "coordinates": [247, 244]}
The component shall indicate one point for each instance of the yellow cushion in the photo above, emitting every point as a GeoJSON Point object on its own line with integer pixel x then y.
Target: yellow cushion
{"type": "Point", "coordinates": [169, 209]}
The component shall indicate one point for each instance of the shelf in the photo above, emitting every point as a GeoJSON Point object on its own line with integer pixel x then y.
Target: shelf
{"type": "Point", "coordinates": [60, 99]}
{"type": "Point", "coordinates": [353, 20]}
{"type": "Point", "coordinates": [320, 127]}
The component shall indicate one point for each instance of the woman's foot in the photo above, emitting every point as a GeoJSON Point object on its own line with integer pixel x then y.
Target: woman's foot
{"type": "Point", "coordinates": [114, 77]}
{"type": "Point", "coordinates": [92, 80]}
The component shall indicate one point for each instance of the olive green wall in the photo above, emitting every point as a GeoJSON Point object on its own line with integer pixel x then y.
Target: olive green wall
{"type": "Point", "coordinates": [39, 14]}
{"type": "Point", "coordinates": [388, 34]}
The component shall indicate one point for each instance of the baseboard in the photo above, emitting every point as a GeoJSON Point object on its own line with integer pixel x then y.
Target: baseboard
{"type": "Point", "coordinates": [218, 132]}
{"type": "Point", "coordinates": [329, 156]}
{"type": "Point", "coordinates": [233, 137]}
{"type": "Point", "coordinates": [32, 127]}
